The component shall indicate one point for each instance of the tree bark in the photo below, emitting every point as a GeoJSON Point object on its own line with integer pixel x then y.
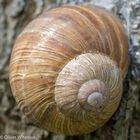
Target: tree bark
{"type": "Point", "coordinates": [125, 123]}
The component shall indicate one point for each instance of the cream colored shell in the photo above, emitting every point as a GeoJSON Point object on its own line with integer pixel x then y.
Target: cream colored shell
{"type": "Point", "coordinates": [67, 68]}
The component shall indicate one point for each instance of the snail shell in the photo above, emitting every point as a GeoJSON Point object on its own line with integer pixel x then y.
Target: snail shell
{"type": "Point", "coordinates": [67, 68]}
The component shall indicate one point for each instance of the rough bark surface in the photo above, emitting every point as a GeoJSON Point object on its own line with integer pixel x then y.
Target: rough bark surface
{"type": "Point", "coordinates": [125, 123]}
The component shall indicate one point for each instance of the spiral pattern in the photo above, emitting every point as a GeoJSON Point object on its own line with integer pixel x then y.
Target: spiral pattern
{"type": "Point", "coordinates": [67, 68]}
{"type": "Point", "coordinates": [82, 78]}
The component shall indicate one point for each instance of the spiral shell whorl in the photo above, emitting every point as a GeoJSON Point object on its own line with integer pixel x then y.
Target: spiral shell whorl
{"type": "Point", "coordinates": [67, 68]}
{"type": "Point", "coordinates": [87, 78]}
{"type": "Point", "coordinates": [95, 99]}
{"type": "Point", "coordinates": [92, 95]}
